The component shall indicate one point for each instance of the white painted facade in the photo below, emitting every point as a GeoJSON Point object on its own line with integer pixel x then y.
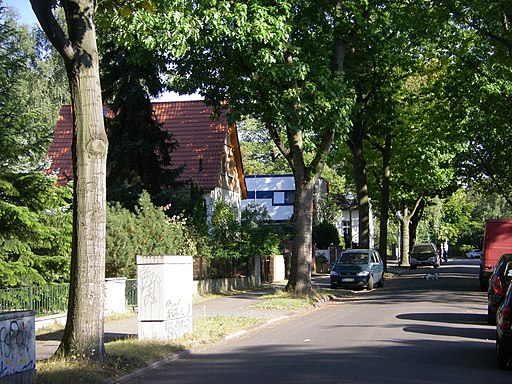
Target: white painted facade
{"type": "Point", "coordinates": [275, 192]}
{"type": "Point", "coordinates": [232, 198]}
{"type": "Point", "coordinates": [349, 222]}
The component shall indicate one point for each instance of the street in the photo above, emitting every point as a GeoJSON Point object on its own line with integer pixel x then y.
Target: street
{"type": "Point", "coordinates": [413, 330]}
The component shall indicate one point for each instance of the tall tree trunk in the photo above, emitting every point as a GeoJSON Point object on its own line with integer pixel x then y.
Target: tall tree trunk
{"type": "Point", "coordinates": [300, 273]}
{"type": "Point", "coordinates": [404, 233]}
{"type": "Point", "coordinates": [415, 220]}
{"type": "Point", "coordinates": [385, 186]}
{"type": "Point", "coordinates": [405, 220]}
{"type": "Point", "coordinates": [83, 335]}
{"type": "Point", "coordinates": [356, 145]}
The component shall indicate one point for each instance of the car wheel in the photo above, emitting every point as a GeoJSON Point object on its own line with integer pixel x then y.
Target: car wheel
{"type": "Point", "coordinates": [381, 282]}
{"type": "Point", "coordinates": [333, 286]}
{"type": "Point", "coordinates": [502, 354]}
{"type": "Point", "coordinates": [491, 316]}
{"type": "Point", "coordinates": [370, 283]}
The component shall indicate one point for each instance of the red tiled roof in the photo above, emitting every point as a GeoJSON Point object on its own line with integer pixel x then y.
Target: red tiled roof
{"type": "Point", "coordinates": [198, 136]}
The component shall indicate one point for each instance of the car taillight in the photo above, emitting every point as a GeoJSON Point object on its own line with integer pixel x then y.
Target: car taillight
{"type": "Point", "coordinates": [504, 318]}
{"type": "Point", "coordinates": [496, 286]}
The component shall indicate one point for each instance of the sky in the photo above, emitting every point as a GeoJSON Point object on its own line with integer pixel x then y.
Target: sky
{"type": "Point", "coordinates": [27, 16]}
{"type": "Point", "coordinates": [24, 9]}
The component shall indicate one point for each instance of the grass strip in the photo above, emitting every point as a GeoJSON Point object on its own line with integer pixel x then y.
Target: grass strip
{"type": "Point", "coordinates": [127, 355]}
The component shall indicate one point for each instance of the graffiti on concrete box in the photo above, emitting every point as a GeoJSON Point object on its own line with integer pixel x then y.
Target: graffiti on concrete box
{"type": "Point", "coordinates": [17, 346]}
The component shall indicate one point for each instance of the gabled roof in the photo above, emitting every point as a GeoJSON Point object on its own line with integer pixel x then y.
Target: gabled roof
{"type": "Point", "coordinates": [200, 141]}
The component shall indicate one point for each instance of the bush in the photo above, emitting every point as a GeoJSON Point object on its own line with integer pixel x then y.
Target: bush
{"type": "Point", "coordinates": [258, 234]}
{"type": "Point", "coordinates": [225, 231]}
{"type": "Point", "coordinates": [147, 231]}
{"type": "Point", "coordinates": [325, 234]}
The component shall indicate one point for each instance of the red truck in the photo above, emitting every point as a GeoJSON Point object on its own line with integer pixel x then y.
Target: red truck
{"type": "Point", "coordinates": [497, 241]}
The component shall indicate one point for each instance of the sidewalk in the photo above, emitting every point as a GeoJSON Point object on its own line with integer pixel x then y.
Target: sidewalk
{"type": "Point", "coordinates": [234, 305]}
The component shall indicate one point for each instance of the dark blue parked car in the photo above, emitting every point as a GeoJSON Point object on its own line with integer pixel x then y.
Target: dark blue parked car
{"type": "Point", "coordinates": [358, 268]}
{"type": "Point", "coordinates": [498, 285]}
{"type": "Point", "coordinates": [504, 331]}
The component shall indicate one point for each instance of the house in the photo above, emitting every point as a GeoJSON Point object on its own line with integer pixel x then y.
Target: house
{"type": "Point", "coordinates": [348, 223]}
{"type": "Point", "coordinates": [276, 193]}
{"type": "Point", "coordinates": [207, 148]}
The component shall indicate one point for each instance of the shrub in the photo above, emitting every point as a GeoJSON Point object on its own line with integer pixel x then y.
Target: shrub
{"type": "Point", "coordinates": [325, 234]}
{"type": "Point", "coordinates": [225, 231]}
{"type": "Point", "coordinates": [146, 231]}
{"type": "Point", "coordinates": [257, 232]}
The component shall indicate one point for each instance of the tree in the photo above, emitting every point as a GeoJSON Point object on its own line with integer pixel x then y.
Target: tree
{"type": "Point", "coordinates": [259, 153]}
{"type": "Point", "coordinates": [280, 63]}
{"type": "Point", "coordinates": [140, 155]}
{"type": "Point", "coordinates": [478, 90]}
{"type": "Point", "coordinates": [83, 335]}
{"type": "Point", "coordinates": [225, 231]}
{"type": "Point", "coordinates": [379, 57]}
{"type": "Point", "coordinates": [35, 236]}
{"type": "Point", "coordinates": [424, 166]}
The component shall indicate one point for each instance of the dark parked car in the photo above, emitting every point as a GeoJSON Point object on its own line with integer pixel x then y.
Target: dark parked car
{"type": "Point", "coordinates": [498, 285]}
{"type": "Point", "coordinates": [358, 268]}
{"type": "Point", "coordinates": [424, 255]}
{"type": "Point", "coordinates": [504, 331]}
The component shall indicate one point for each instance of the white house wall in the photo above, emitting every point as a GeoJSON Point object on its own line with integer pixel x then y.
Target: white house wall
{"type": "Point", "coordinates": [232, 198]}
{"type": "Point", "coordinates": [274, 188]}
{"type": "Point", "coordinates": [354, 214]}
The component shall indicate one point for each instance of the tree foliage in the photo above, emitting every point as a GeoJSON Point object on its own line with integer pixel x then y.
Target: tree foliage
{"type": "Point", "coordinates": [280, 63]}
{"type": "Point", "coordinates": [32, 84]}
{"type": "Point", "coordinates": [225, 231]}
{"type": "Point", "coordinates": [260, 155]}
{"type": "Point", "coordinates": [258, 235]}
{"type": "Point", "coordinates": [145, 231]}
{"type": "Point", "coordinates": [479, 91]}
{"type": "Point", "coordinates": [140, 154]}
{"type": "Point", "coordinates": [35, 240]}
{"type": "Point", "coordinates": [325, 234]}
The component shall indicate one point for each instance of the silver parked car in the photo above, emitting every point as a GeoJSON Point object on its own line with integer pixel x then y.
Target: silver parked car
{"type": "Point", "coordinates": [424, 255]}
{"type": "Point", "coordinates": [474, 254]}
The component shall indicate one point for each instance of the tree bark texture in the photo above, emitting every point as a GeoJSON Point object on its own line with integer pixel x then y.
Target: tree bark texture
{"type": "Point", "coordinates": [405, 221]}
{"type": "Point", "coordinates": [386, 182]}
{"type": "Point", "coordinates": [404, 241]}
{"type": "Point", "coordinates": [415, 221]}
{"type": "Point", "coordinates": [83, 334]}
{"type": "Point", "coordinates": [300, 273]}
{"type": "Point", "coordinates": [356, 146]}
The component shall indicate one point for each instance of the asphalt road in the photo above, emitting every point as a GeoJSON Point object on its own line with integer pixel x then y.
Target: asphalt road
{"type": "Point", "coordinates": [413, 330]}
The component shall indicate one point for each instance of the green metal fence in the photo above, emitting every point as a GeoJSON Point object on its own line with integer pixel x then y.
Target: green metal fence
{"type": "Point", "coordinates": [131, 292]}
{"type": "Point", "coordinates": [44, 299]}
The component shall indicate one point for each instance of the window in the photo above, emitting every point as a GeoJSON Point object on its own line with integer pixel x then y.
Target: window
{"type": "Point", "coordinates": [278, 198]}
{"type": "Point", "coordinates": [283, 198]}
{"type": "Point", "coordinates": [259, 194]}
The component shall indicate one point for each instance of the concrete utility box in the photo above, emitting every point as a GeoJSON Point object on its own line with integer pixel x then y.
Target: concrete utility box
{"type": "Point", "coordinates": [17, 347]}
{"type": "Point", "coordinates": [164, 292]}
